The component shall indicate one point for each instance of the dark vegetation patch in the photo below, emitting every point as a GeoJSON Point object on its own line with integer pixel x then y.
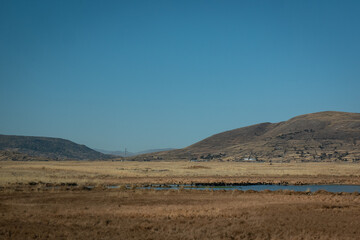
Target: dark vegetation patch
{"type": "Point", "coordinates": [198, 167]}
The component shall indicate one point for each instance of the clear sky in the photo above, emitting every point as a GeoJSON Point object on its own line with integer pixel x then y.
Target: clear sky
{"type": "Point", "coordinates": [158, 74]}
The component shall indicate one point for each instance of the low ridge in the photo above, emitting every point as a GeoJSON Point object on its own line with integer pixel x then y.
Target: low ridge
{"type": "Point", "coordinates": [322, 136]}
{"type": "Point", "coordinates": [42, 148]}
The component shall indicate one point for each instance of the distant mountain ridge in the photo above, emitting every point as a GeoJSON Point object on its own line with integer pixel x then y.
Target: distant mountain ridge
{"type": "Point", "coordinates": [323, 136]}
{"type": "Point", "coordinates": [129, 154]}
{"type": "Point", "coordinates": [115, 153]}
{"type": "Point", "coordinates": [27, 147]}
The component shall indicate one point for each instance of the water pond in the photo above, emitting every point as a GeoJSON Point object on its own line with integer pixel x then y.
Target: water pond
{"type": "Point", "coordinates": [297, 188]}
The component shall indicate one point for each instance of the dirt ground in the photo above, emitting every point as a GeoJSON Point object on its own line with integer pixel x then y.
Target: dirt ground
{"type": "Point", "coordinates": [177, 214]}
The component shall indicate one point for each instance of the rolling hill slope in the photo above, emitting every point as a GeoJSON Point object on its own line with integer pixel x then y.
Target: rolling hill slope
{"type": "Point", "coordinates": [323, 136]}
{"type": "Point", "coordinates": [32, 148]}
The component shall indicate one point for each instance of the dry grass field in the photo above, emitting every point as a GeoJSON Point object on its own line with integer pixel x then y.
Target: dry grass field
{"type": "Point", "coordinates": [183, 214]}
{"type": "Point", "coordinates": [31, 210]}
{"type": "Point", "coordinates": [107, 172]}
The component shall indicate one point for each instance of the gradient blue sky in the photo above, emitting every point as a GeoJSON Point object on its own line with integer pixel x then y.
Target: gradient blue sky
{"type": "Point", "coordinates": [156, 74]}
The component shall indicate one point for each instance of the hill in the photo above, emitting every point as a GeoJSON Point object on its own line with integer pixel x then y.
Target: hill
{"type": "Point", "coordinates": [129, 154]}
{"type": "Point", "coordinates": [42, 148]}
{"type": "Point", "coordinates": [323, 136]}
{"type": "Point", "coordinates": [154, 151]}
{"type": "Point", "coordinates": [115, 153]}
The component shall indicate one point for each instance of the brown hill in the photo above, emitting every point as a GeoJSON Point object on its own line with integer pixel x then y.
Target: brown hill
{"type": "Point", "coordinates": [323, 136]}
{"type": "Point", "coordinates": [45, 148]}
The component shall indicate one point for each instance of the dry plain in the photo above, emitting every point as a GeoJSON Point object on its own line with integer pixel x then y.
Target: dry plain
{"type": "Point", "coordinates": [132, 172]}
{"type": "Point", "coordinates": [31, 210]}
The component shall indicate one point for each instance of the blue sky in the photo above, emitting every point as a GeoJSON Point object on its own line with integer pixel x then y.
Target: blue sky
{"type": "Point", "coordinates": [157, 74]}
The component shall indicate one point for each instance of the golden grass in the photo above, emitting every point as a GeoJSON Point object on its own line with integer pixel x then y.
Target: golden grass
{"type": "Point", "coordinates": [146, 214]}
{"type": "Point", "coordinates": [83, 172]}
{"type": "Point", "coordinates": [37, 212]}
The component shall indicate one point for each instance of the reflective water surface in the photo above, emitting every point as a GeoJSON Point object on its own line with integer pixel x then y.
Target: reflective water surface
{"type": "Point", "coordinates": [297, 188]}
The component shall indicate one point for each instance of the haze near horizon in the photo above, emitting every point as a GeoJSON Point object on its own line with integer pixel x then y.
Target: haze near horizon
{"type": "Point", "coordinates": [159, 74]}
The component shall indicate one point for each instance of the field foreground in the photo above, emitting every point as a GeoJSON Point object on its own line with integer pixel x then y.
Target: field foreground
{"type": "Point", "coordinates": [183, 214]}
{"type": "Point", "coordinates": [50, 200]}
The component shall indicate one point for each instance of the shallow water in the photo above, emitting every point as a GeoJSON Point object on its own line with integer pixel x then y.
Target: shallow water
{"type": "Point", "coordinates": [297, 188]}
